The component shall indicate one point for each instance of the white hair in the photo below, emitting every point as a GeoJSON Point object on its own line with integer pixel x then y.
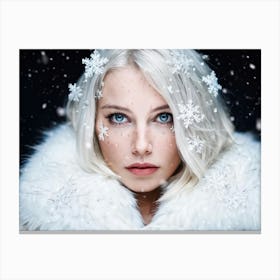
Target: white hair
{"type": "Point", "coordinates": [178, 82]}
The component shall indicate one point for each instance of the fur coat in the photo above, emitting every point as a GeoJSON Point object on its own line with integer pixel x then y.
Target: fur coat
{"type": "Point", "coordinates": [56, 194]}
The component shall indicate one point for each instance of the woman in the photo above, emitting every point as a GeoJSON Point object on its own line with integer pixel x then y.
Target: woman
{"type": "Point", "coordinates": [148, 146]}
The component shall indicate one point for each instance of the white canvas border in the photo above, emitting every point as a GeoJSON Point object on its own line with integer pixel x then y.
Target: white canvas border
{"type": "Point", "coordinates": [158, 24]}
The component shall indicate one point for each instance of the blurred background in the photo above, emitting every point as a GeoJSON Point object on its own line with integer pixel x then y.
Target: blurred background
{"type": "Point", "coordinates": [45, 75]}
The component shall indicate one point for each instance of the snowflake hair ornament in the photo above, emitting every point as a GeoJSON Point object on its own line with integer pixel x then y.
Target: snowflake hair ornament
{"type": "Point", "coordinates": [99, 93]}
{"type": "Point", "coordinates": [180, 62]}
{"type": "Point", "coordinates": [212, 83]}
{"type": "Point", "coordinates": [95, 64]}
{"type": "Point", "coordinates": [75, 92]}
{"type": "Point", "coordinates": [103, 131]}
{"type": "Point", "coordinates": [195, 144]}
{"type": "Point", "coordinates": [189, 114]}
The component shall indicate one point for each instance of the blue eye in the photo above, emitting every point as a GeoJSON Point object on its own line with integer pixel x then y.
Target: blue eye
{"type": "Point", "coordinates": [164, 118]}
{"type": "Point", "coordinates": [117, 118]}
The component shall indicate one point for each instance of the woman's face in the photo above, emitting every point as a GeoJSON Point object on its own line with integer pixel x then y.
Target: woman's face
{"type": "Point", "coordinates": [134, 128]}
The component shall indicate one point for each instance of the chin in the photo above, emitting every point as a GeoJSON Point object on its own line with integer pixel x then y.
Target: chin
{"type": "Point", "coordinates": [141, 186]}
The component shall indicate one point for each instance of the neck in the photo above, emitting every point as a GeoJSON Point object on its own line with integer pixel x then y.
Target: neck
{"type": "Point", "coordinates": [147, 203]}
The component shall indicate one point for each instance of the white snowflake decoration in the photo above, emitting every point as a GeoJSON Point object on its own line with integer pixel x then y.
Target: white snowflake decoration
{"type": "Point", "coordinates": [195, 144]}
{"type": "Point", "coordinates": [103, 131]}
{"type": "Point", "coordinates": [95, 64]}
{"type": "Point", "coordinates": [189, 114]}
{"type": "Point", "coordinates": [219, 181]}
{"type": "Point", "coordinates": [63, 197]}
{"type": "Point", "coordinates": [180, 62]}
{"type": "Point", "coordinates": [170, 89]}
{"type": "Point", "coordinates": [212, 83]}
{"type": "Point", "coordinates": [75, 93]}
{"type": "Point", "coordinates": [98, 94]}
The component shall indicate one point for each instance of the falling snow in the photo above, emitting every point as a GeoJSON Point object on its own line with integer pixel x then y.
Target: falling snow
{"type": "Point", "coordinates": [60, 111]}
{"type": "Point", "coordinates": [252, 66]}
{"type": "Point", "coordinates": [205, 57]}
{"type": "Point", "coordinates": [49, 72]}
{"type": "Point", "coordinates": [258, 124]}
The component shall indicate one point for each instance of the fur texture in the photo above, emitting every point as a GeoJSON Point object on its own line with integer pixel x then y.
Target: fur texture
{"type": "Point", "coordinates": [56, 194]}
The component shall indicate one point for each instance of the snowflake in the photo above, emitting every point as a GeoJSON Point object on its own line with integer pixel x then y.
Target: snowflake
{"type": "Point", "coordinates": [195, 144]}
{"type": "Point", "coordinates": [205, 57]}
{"type": "Point", "coordinates": [189, 114]}
{"type": "Point", "coordinates": [98, 94]}
{"type": "Point", "coordinates": [94, 64]}
{"type": "Point", "coordinates": [220, 180]}
{"type": "Point", "coordinates": [170, 89]}
{"type": "Point", "coordinates": [63, 197]}
{"type": "Point", "coordinates": [252, 66]}
{"type": "Point", "coordinates": [75, 93]}
{"type": "Point", "coordinates": [180, 62]}
{"type": "Point", "coordinates": [212, 83]}
{"type": "Point", "coordinates": [102, 132]}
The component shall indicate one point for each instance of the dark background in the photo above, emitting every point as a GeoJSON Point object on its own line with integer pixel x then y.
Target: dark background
{"type": "Point", "coordinates": [45, 75]}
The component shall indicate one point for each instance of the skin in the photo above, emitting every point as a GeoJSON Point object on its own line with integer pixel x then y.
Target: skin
{"type": "Point", "coordinates": [139, 124]}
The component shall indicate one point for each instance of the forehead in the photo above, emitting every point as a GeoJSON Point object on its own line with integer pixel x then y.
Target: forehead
{"type": "Point", "coordinates": [128, 86]}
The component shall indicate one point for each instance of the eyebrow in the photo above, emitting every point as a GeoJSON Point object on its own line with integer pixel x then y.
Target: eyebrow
{"type": "Point", "coordinates": [163, 107]}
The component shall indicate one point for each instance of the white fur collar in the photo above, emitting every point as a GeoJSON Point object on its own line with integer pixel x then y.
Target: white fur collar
{"type": "Point", "coordinates": [56, 194]}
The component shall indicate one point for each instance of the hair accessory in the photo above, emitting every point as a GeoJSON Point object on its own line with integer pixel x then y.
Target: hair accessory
{"type": "Point", "coordinates": [103, 131]}
{"type": "Point", "coordinates": [212, 83]}
{"type": "Point", "coordinates": [189, 114]}
{"type": "Point", "coordinates": [98, 94]}
{"type": "Point", "coordinates": [95, 64]}
{"type": "Point", "coordinates": [75, 92]}
{"type": "Point", "coordinates": [170, 89]}
{"type": "Point", "coordinates": [180, 62]}
{"type": "Point", "coordinates": [195, 144]}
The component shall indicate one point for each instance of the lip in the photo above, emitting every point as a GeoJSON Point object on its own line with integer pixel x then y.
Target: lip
{"type": "Point", "coordinates": [142, 169]}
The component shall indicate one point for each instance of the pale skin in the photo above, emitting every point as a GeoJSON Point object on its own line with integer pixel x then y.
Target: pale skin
{"type": "Point", "coordinates": [139, 123]}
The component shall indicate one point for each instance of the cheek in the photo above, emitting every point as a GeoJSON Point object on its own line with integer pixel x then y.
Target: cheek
{"type": "Point", "coordinates": [116, 146]}
{"type": "Point", "coordinates": [168, 152]}
{"type": "Point", "coordinates": [167, 143]}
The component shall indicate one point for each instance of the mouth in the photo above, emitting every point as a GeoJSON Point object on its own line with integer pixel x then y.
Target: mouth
{"type": "Point", "coordinates": [142, 169]}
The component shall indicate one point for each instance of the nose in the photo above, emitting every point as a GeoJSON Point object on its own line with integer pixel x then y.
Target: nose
{"type": "Point", "coordinates": [141, 143]}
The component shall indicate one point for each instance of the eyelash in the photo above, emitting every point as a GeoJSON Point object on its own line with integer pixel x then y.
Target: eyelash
{"type": "Point", "coordinates": [169, 116]}
{"type": "Point", "coordinates": [111, 116]}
